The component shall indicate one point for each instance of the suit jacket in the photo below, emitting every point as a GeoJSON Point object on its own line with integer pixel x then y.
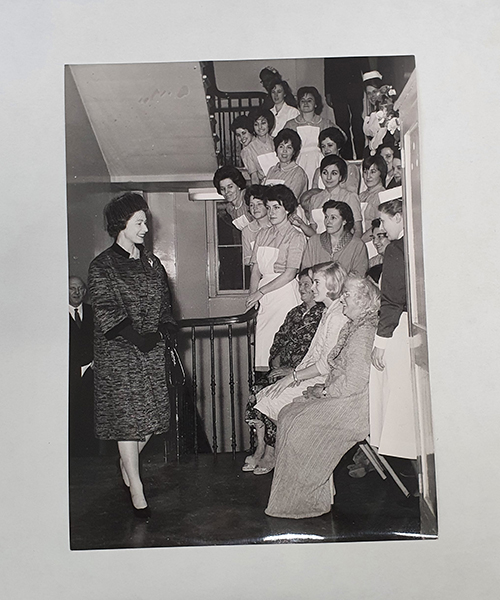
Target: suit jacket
{"type": "Point", "coordinates": [81, 341]}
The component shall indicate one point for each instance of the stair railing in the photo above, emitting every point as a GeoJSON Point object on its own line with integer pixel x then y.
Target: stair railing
{"type": "Point", "coordinates": [220, 332]}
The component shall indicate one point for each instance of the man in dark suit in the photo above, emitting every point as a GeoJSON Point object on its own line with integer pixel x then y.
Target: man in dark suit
{"type": "Point", "coordinates": [82, 441]}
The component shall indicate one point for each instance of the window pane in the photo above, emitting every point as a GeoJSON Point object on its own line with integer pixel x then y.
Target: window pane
{"type": "Point", "coordinates": [228, 235]}
{"type": "Point", "coordinates": [230, 268]}
{"type": "Point", "coordinates": [232, 275]}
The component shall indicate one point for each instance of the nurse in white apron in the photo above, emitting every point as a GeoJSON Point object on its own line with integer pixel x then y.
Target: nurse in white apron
{"type": "Point", "coordinates": [259, 156]}
{"type": "Point", "coordinates": [230, 184]}
{"type": "Point", "coordinates": [275, 262]}
{"type": "Point", "coordinates": [392, 419]}
{"type": "Point", "coordinates": [254, 199]}
{"type": "Point", "coordinates": [333, 173]}
{"type": "Point", "coordinates": [308, 124]}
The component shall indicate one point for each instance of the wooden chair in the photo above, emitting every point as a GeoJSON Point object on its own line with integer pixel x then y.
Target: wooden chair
{"type": "Point", "coordinates": [380, 465]}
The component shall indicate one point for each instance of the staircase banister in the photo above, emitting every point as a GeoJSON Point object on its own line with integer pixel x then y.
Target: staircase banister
{"type": "Point", "coordinates": [249, 315]}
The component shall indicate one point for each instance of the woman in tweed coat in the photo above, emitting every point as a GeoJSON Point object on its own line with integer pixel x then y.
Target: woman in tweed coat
{"type": "Point", "coordinates": [317, 429]}
{"type": "Point", "coordinates": [129, 294]}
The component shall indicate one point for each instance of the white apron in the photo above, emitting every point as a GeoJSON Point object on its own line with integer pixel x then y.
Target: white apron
{"type": "Point", "coordinates": [310, 155]}
{"type": "Point", "coordinates": [274, 306]}
{"type": "Point", "coordinates": [318, 216]}
{"type": "Point", "coordinates": [241, 222]}
{"type": "Point", "coordinates": [392, 417]}
{"type": "Point", "coordinates": [266, 161]}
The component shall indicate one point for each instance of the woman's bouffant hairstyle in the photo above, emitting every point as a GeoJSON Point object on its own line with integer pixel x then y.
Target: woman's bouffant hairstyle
{"type": "Point", "coordinates": [242, 122]}
{"type": "Point", "coordinates": [289, 135]}
{"type": "Point", "coordinates": [256, 191]}
{"type": "Point", "coordinates": [364, 292]}
{"type": "Point", "coordinates": [289, 97]}
{"type": "Point", "coordinates": [283, 195]}
{"type": "Point", "coordinates": [258, 112]}
{"type": "Point", "coordinates": [379, 162]}
{"type": "Point", "coordinates": [309, 89]}
{"type": "Point", "coordinates": [119, 210]}
{"type": "Point", "coordinates": [335, 134]}
{"type": "Point", "coordinates": [391, 207]}
{"type": "Point", "coordinates": [345, 211]}
{"type": "Point", "coordinates": [335, 159]}
{"type": "Point", "coordinates": [229, 172]}
{"type": "Point", "coordinates": [334, 275]}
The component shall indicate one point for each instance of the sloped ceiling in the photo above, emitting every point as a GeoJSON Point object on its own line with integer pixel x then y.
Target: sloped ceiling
{"type": "Point", "coordinates": [150, 120]}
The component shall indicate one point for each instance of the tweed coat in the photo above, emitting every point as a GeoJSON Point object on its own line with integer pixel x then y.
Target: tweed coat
{"type": "Point", "coordinates": [131, 395]}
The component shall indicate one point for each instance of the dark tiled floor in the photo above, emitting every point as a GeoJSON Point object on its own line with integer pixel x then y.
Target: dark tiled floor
{"type": "Point", "coordinates": [210, 501]}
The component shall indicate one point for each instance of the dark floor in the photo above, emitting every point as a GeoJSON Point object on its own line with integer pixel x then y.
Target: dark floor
{"type": "Point", "coordinates": [210, 501]}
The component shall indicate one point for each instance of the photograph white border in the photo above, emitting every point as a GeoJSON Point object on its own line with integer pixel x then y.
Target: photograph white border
{"type": "Point", "coordinates": [457, 51]}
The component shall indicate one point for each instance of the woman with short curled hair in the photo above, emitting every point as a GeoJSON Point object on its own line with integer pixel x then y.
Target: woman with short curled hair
{"type": "Point", "coordinates": [128, 290]}
{"type": "Point", "coordinates": [308, 124]}
{"type": "Point", "coordinates": [284, 104]}
{"type": "Point", "coordinates": [275, 262]}
{"type": "Point", "coordinates": [254, 199]}
{"type": "Point", "coordinates": [374, 170]}
{"type": "Point", "coordinates": [319, 427]}
{"type": "Point", "coordinates": [287, 172]}
{"type": "Point", "coordinates": [230, 184]}
{"type": "Point", "coordinates": [259, 156]}
{"type": "Point", "coordinates": [337, 241]}
{"type": "Point", "coordinates": [333, 170]}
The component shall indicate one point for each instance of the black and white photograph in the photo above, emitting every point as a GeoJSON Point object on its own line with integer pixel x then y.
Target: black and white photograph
{"type": "Point", "coordinates": [249, 300]}
{"type": "Point", "coordinates": [248, 342]}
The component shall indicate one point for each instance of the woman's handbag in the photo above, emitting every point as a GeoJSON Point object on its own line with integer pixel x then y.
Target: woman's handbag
{"type": "Point", "coordinates": [173, 366]}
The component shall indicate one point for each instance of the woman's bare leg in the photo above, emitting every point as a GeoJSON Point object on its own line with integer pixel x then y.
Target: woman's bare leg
{"type": "Point", "coordinates": [141, 445]}
{"type": "Point", "coordinates": [129, 454]}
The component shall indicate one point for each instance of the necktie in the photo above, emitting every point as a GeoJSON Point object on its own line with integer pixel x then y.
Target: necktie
{"type": "Point", "coordinates": [78, 319]}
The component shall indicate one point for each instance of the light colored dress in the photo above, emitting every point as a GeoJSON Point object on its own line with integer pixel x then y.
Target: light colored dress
{"type": "Point", "coordinates": [350, 252]}
{"type": "Point", "coordinates": [323, 341]}
{"type": "Point", "coordinates": [286, 113]}
{"type": "Point", "coordinates": [310, 155]}
{"type": "Point", "coordinates": [314, 433]}
{"type": "Point", "coordinates": [370, 201]}
{"type": "Point", "coordinates": [314, 206]}
{"type": "Point", "coordinates": [258, 157]}
{"type": "Point", "coordinates": [291, 175]}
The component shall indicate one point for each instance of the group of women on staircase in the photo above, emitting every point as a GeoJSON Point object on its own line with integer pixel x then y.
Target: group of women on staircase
{"type": "Point", "coordinates": [315, 213]}
{"type": "Point", "coordinates": [331, 346]}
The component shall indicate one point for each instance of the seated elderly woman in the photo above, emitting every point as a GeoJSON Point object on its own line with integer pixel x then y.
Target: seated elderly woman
{"type": "Point", "coordinates": [318, 428]}
{"type": "Point", "coordinates": [328, 280]}
{"type": "Point", "coordinates": [337, 243]}
{"type": "Point", "coordinates": [287, 172]}
{"type": "Point", "coordinates": [290, 345]}
{"type": "Point", "coordinates": [230, 184]}
{"type": "Point", "coordinates": [259, 156]}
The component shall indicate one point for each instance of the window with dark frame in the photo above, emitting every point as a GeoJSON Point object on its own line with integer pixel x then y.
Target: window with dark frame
{"type": "Point", "coordinates": [232, 275]}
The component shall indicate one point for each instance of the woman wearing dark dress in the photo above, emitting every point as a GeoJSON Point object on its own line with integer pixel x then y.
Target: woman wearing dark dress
{"type": "Point", "coordinates": [392, 413]}
{"type": "Point", "coordinates": [129, 294]}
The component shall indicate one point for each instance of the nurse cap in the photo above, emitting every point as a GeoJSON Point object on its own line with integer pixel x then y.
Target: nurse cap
{"type": "Point", "coordinates": [371, 75]}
